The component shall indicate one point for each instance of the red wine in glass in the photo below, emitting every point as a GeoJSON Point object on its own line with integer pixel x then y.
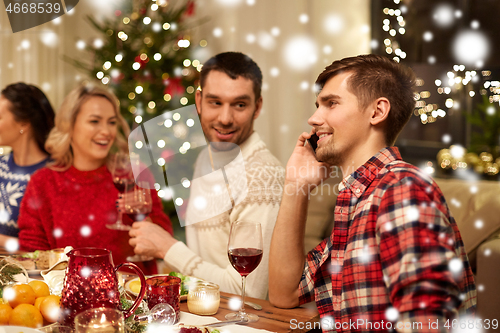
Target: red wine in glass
{"type": "Point", "coordinates": [245, 260]}
{"type": "Point", "coordinates": [244, 250]}
{"type": "Point", "coordinates": [138, 205]}
{"type": "Point", "coordinates": [137, 215]}
{"type": "Point", "coordinates": [123, 184]}
{"type": "Point", "coordinates": [123, 179]}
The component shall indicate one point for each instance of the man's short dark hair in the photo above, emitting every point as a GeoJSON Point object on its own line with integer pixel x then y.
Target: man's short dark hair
{"type": "Point", "coordinates": [234, 64]}
{"type": "Point", "coordinates": [377, 76]}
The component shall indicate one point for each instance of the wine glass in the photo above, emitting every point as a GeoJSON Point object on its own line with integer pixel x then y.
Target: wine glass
{"type": "Point", "coordinates": [137, 206]}
{"type": "Point", "coordinates": [123, 179]}
{"type": "Point", "coordinates": [161, 313]}
{"type": "Point", "coordinates": [245, 253]}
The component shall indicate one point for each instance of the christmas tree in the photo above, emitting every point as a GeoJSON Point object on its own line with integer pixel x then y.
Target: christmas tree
{"type": "Point", "coordinates": [144, 57]}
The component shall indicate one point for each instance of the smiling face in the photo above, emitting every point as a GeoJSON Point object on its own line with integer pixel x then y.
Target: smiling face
{"type": "Point", "coordinates": [9, 127]}
{"type": "Point", "coordinates": [339, 123]}
{"type": "Point", "coordinates": [94, 133]}
{"type": "Point", "coordinates": [227, 108]}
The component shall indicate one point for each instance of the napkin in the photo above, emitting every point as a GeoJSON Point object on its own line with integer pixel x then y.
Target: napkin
{"type": "Point", "coordinates": [192, 319]}
{"type": "Point", "coordinates": [54, 276]}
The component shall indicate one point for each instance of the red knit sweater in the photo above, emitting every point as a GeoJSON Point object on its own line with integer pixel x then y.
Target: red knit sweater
{"type": "Point", "coordinates": [72, 208]}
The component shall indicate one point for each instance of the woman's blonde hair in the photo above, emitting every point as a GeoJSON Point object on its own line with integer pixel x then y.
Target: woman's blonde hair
{"type": "Point", "coordinates": [58, 144]}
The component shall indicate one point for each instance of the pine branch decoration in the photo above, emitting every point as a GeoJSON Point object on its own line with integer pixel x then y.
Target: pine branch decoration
{"type": "Point", "coordinates": [8, 270]}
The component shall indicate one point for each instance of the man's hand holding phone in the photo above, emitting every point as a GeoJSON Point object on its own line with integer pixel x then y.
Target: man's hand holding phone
{"type": "Point", "coordinates": [313, 141]}
{"type": "Point", "coordinates": [303, 168]}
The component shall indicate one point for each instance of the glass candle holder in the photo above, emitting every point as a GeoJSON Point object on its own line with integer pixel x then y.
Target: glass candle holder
{"type": "Point", "coordinates": [203, 298]}
{"type": "Point", "coordinates": [100, 320]}
{"type": "Point", "coordinates": [55, 255]}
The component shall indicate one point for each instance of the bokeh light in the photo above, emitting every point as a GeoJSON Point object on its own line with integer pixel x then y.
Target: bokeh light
{"type": "Point", "coordinates": [266, 41]}
{"type": "Point", "coordinates": [444, 16]}
{"type": "Point", "coordinates": [471, 47]}
{"type": "Point", "coordinates": [49, 38]}
{"type": "Point", "coordinates": [217, 32]}
{"type": "Point", "coordinates": [333, 24]}
{"type": "Point", "coordinates": [300, 53]}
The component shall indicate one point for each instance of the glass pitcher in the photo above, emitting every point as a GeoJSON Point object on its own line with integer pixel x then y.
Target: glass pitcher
{"type": "Point", "coordinates": [91, 282]}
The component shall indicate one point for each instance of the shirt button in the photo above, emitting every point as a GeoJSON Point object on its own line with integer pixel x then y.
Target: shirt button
{"type": "Point", "coordinates": [341, 210]}
{"type": "Point", "coordinates": [357, 191]}
{"type": "Point", "coordinates": [337, 255]}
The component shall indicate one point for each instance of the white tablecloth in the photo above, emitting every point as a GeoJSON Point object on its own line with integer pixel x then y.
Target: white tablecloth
{"type": "Point", "coordinates": [191, 319]}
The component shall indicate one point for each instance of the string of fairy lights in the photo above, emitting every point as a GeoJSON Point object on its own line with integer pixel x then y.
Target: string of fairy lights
{"type": "Point", "coordinates": [394, 24]}
{"type": "Point", "coordinates": [458, 84]}
{"type": "Point", "coordinates": [457, 79]}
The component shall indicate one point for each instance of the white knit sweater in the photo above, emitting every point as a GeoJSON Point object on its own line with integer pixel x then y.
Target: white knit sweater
{"type": "Point", "coordinates": [206, 254]}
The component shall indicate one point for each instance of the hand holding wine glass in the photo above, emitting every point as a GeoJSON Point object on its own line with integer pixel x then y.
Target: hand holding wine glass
{"type": "Point", "coordinates": [245, 253]}
{"type": "Point", "coordinates": [137, 205]}
{"type": "Point", "coordinates": [123, 179]}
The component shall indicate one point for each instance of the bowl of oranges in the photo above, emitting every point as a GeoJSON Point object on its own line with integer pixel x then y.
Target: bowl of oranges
{"type": "Point", "coordinates": [29, 304]}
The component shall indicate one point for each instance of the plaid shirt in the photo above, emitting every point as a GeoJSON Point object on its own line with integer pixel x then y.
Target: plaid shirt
{"type": "Point", "coordinates": [395, 258]}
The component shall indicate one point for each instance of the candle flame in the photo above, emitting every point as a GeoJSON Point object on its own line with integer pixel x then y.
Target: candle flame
{"type": "Point", "coordinates": [103, 318]}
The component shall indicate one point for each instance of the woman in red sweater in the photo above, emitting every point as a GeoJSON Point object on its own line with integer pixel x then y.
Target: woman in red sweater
{"type": "Point", "coordinates": [70, 202]}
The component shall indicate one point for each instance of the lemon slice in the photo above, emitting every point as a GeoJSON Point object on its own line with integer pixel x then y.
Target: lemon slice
{"type": "Point", "coordinates": [135, 286]}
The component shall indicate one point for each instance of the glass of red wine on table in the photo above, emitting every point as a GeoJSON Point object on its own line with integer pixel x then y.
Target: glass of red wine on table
{"type": "Point", "coordinates": [245, 253]}
{"type": "Point", "coordinates": [137, 205]}
{"type": "Point", "coordinates": [123, 179]}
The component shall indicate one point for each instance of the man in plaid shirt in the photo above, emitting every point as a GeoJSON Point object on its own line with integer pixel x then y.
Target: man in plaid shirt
{"type": "Point", "coordinates": [395, 260]}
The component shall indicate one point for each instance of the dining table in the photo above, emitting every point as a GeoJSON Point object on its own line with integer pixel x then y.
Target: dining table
{"type": "Point", "coordinates": [272, 319]}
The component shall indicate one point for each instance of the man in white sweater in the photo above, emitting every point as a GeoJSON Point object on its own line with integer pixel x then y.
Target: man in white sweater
{"type": "Point", "coordinates": [228, 104]}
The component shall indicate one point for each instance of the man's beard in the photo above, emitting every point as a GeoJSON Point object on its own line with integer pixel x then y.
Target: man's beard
{"type": "Point", "coordinates": [329, 154]}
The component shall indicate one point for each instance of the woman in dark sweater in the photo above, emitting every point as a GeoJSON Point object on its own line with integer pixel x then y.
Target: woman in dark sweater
{"type": "Point", "coordinates": [70, 202]}
{"type": "Point", "coordinates": [26, 118]}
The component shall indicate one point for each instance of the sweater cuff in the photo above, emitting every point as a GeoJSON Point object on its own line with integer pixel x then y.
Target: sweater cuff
{"type": "Point", "coordinates": [178, 255]}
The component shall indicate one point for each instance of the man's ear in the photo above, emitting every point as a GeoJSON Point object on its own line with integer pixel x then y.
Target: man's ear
{"type": "Point", "coordinates": [258, 107]}
{"type": "Point", "coordinates": [197, 100]}
{"type": "Point", "coordinates": [380, 110]}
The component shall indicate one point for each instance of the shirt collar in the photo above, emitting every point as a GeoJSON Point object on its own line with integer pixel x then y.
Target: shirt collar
{"type": "Point", "coordinates": [249, 142]}
{"type": "Point", "coordinates": [359, 180]}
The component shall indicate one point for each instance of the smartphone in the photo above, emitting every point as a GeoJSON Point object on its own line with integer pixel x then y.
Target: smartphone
{"type": "Point", "coordinates": [313, 141]}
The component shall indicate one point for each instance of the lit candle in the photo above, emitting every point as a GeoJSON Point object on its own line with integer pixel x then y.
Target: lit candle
{"type": "Point", "coordinates": [100, 320]}
{"type": "Point", "coordinates": [101, 325]}
{"type": "Point", "coordinates": [203, 298]}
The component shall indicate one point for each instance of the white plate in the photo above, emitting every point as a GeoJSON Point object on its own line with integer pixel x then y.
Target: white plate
{"type": "Point", "coordinates": [31, 272]}
{"type": "Point", "coordinates": [192, 279]}
{"type": "Point", "coordinates": [34, 272]}
{"type": "Point", "coordinates": [17, 329]}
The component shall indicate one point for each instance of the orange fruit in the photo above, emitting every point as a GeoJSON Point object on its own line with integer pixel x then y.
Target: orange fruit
{"type": "Point", "coordinates": [50, 308]}
{"type": "Point", "coordinates": [40, 288]}
{"type": "Point", "coordinates": [26, 315]}
{"type": "Point", "coordinates": [39, 301]}
{"type": "Point", "coordinates": [23, 294]}
{"type": "Point", "coordinates": [8, 293]}
{"type": "Point", "coordinates": [5, 311]}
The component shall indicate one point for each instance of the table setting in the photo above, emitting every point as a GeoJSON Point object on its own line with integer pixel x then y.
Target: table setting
{"type": "Point", "coordinates": [94, 296]}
